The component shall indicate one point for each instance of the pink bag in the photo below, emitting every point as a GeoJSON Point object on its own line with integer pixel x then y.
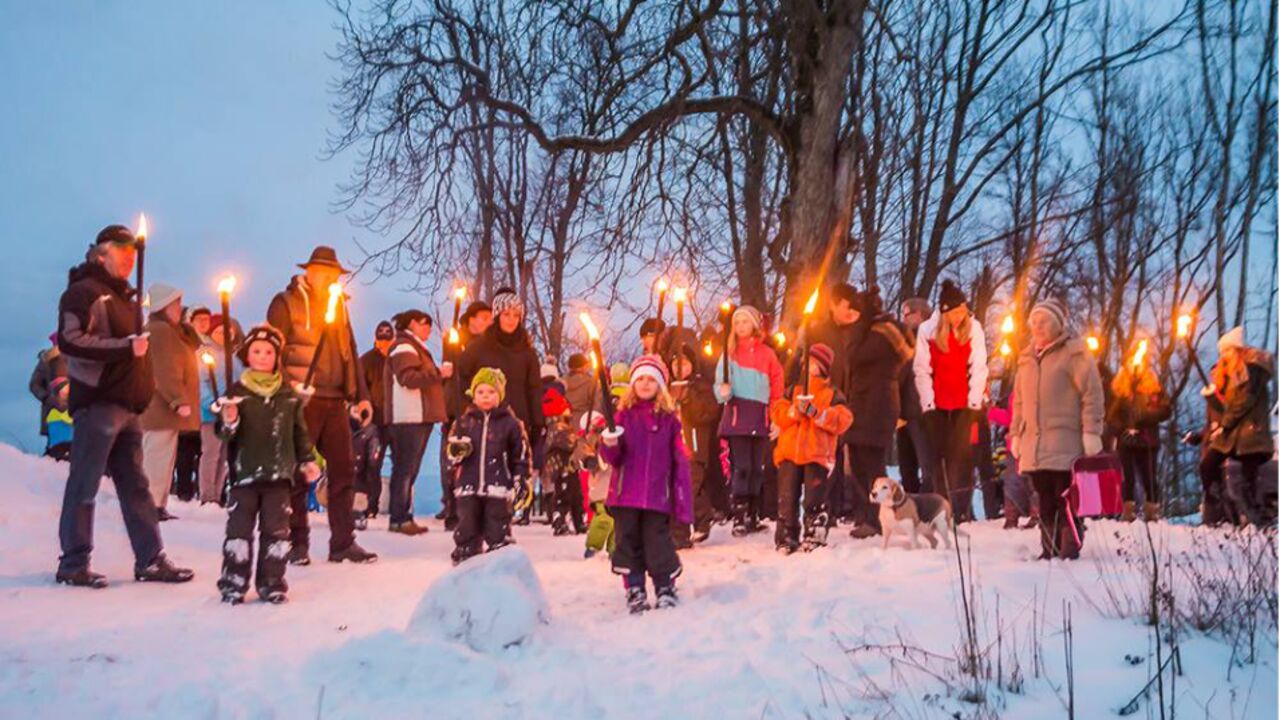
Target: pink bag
{"type": "Point", "coordinates": [1095, 488]}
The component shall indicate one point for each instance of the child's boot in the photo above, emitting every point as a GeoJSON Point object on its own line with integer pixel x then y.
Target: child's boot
{"type": "Point", "coordinates": [667, 597]}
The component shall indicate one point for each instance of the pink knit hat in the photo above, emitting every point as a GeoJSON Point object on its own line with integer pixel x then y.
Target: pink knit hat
{"type": "Point", "coordinates": [649, 366]}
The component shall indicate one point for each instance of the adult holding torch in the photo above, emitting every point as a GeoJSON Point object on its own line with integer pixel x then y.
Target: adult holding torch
{"type": "Point", "coordinates": [174, 407]}
{"type": "Point", "coordinates": [1138, 405]}
{"type": "Point", "coordinates": [325, 351]}
{"type": "Point", "coordinates": [111, 384]}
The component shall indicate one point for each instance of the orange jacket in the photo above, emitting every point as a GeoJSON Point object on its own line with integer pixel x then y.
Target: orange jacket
{"type": "Point", "coordinates": [806, 440]}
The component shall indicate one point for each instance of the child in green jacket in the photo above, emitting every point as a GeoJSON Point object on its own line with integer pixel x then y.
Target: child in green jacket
{"type": "Point", "coordinates": [262, 418]}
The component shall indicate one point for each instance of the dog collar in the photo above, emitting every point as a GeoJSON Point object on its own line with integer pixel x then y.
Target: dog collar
{"type": "Point", "coordinates": [903, 502]}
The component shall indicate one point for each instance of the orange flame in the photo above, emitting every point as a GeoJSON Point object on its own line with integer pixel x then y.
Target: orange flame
{"type": "Point", "coordinates": [812, 304]}
{"type": "Point", "coordinates": [226, 285]}
{"type": "Point", "coordinates": [141, 232]}
{"type": "Point", "coordinates": [680, 294]}
{"type": "Point", "coordinates": [335, 294]}
{"type": "Point", "coordinates": [725, 307]}
{"type": "Point", "coordinates": [707, 349]}
{"type": "Point", "coordinates": [1184, 326]}
{"type": "Point", "coordinates": [663, 285]}
{"type": "Point", "coordinates": [781, 338]}
{"type": "Point", "coordinates": [592, 332]}
{"type": "Point", "coordinates": [207, 358]}
{"type": "Point", "coordinates": [1006, 327]}
{"type": "Point", "coordinates": [1005, 349]}
{"type": "Point", "coordinates": [453, 336]}
{"type": "Point", "coordinates": [1140, 354]}
{"type": "Point", "coordinates": [1093, 343]}
{"type": "Point", "coordinates": [460, 292]}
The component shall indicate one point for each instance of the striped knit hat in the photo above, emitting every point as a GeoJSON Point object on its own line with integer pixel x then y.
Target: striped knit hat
{"type": "Point", "coordinates": [1055, 311]}
{"type": "Point", "coordinates": [507, 299]}
{"type": "Point", "coordinates": [650, 366]}
{"type": "Point", "coordinates": [824, 356]}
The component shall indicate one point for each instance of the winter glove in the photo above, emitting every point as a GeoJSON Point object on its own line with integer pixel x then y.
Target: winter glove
{"type": "Point", "coordinates": [1092, 444]}
{"type": "Point", "coordinates": [458, 449]}
{"type": "Point", "coordinates": [304, 391]}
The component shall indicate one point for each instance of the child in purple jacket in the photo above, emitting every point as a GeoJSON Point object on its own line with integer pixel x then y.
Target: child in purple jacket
{"type": "Point", "coordinates": [650, 483]}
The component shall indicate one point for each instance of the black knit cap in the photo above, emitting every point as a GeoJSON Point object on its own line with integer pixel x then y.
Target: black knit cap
{"type": "Point", "coordinates": [117, 235]}
{"type": "Point", "coordinates": [951, 297]}
{"type": "Point", "coordinates": [262, 333]}
{"type": "Point", "coordinates": [475, 308]}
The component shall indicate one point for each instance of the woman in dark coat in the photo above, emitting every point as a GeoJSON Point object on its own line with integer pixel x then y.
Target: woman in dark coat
{"type": "Point", "coordinates": [1137, 406]}
{"type": "Point", "coordinates": [506, 346]}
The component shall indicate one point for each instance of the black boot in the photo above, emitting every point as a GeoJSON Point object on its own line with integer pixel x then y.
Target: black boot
{"type": "Point", "coordinates": [354, 554]}
{"type": "Point", "coordinates": [82, 578]}
{"type": "Point", "coordinates": [667, 597]}
{"type": "Point", "coordinates": [161, 570]}
{"type": "Point", "coordinates": [299, 554]}
{"type": "Point", "coordinates": [637, 600]}
{"type": "Point", "coordinates": [740, 512]}
{"type": "Point", "coordinates": [815, 531]}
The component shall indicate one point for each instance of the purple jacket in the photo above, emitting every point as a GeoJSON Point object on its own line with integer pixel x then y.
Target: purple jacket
{"type": "Point", "coordinates": [650, 464]}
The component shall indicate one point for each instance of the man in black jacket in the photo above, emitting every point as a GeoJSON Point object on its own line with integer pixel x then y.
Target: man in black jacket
{"type": "Point", "coordinates": [111, 384]}
{"type": "Point", "coordinates": [915, 456]}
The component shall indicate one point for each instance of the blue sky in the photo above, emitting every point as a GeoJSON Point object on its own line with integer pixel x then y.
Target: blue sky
{"type": "Point", "coordinates": [210, 117]}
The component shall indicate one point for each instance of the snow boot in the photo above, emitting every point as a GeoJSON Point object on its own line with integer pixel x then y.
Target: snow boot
{"type": "Point", "coordinates": [275, 597]}
{"type": "Point", "coordinates": [82, 578]}
{"type": "Point", "coordinates": [299, 554]}
{"type": "Point", "coordinates": [1151, 512]}
{"type": "Point", "coordinates": [667, 597]}
{"type": "Point", "coordinates": [1129, 514]}
{"type": "Point", "coordinates": [815, 531]}
{"type": "Point", "coordinates": [232, 598]}
{"type": "Point", "coordinates": [637, 600]}
{"type": "Point", "coordinates": [161, 570]}
{"type": "Point", "coordinates": [354, 554]}
{"type": "Point", "coordinates": [740, 526]}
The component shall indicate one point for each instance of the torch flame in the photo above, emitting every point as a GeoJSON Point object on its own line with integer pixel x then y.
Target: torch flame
{"type": "Point", "coordinates": [460, 292]}
{"type": "Point", "coordinates": [453, 336]}
{"type": "Point", "coordinates": [680, 294]}
{"type": "Point", "coordinates": [812, 305]}
{"type": "Point", "coordinates": [1184, 326]}
{"type": "Point", "coordinates": [1140, 354]}
{"type": "Point", "coordinates": [207, 358]}
{"type": "Point", "coordinates": [1006, 327]}
{"type": "Point", "coordinates": [1005, 349]}
{"type": "Point", "coordinates": [226, 285]}
{"type": "Point", "coordinates": [142, 227]}
{"type": "Point", "coordinates": [590, 326]}
{"type": "Point", "coordinates": [1093, 343]}
{"type": "Point", "coordinates": [663, 285]}
{"type": "Point", "coordinates": [595, 363]}
{"type": "Point", "coordinates": [725, 307]}
{"type": "Point", "coordinates": [331, 313]}
{"type": "Point", "coordinates": [781, 338]}
{"type": "Point", "coordinates": [707, 349]}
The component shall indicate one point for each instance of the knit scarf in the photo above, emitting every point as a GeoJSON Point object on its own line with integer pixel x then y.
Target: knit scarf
{"type": "Point", "coordinates": [264, 384]}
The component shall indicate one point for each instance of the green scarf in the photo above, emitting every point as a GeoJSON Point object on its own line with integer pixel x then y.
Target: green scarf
{"type": "Point", "coordinates": [261, 383]}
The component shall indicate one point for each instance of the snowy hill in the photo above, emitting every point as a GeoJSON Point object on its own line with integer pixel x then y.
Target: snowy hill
{"type": "Point", "coordinates": [849, 631]}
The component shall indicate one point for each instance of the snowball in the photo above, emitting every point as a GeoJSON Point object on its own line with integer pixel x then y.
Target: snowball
{"type": "Point", "coordinates": [488, 603]}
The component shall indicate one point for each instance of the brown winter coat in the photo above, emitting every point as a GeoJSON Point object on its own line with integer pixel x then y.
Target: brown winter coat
{"type": "Point", "coordinates": [298, 312]}
{"type": "Point", "coordinates": [580, 390]}
{"type": "Point", "coordinates": [1057, 399]}
{"type": "Point", "coordinates": [1245, 407]}
{"type": "Point", "coordinates": [177, 374]}
{"type": "Point", "coordinates": [414, 388]}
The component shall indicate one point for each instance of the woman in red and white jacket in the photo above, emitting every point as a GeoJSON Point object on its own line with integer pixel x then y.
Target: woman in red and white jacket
{"type": "Point", "coordinates": [951, 376]}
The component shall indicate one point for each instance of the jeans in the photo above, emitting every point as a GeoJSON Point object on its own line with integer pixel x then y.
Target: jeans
{"type": "Point", "coordinates": [408, 443]}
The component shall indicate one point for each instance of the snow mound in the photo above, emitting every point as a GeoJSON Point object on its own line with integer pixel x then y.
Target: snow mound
{"type": "Point", "coordinates": [489, 603]}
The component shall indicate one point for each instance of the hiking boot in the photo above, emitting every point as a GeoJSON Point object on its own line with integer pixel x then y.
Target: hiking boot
{"type": "Point", "coordinates": [299, 554]}
{"type": "Point", "coordinates": [353, 553]}
{"type": "Point", "coordinates": [1130, 511]}
{"type": "Point", "coordinates": [409, 528]}
{"type": "Point", "coordinates": [163, 571]}
{"type": "Point", "coordinates": [1151, 512]}
{"type": "Point", "coordinates": [637, 600]}
{"type": "Point", "coordinates": [83, 577]}
{"type": "Point", "coordinates": [232, 598]}
{"type": "Point", "coordinates": [667, 597]}
{"type": "Point", "coordinates": [275, 597]}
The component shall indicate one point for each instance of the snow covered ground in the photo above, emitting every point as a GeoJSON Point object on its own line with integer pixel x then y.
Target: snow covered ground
{"type": "Point", "coordinates": [758, 635]}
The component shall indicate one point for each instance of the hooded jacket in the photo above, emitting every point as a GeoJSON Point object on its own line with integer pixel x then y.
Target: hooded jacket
{"type": "Point", "coordinates": [651, 465]}
{"type": "Point", "coordinates": [96, 317]}
{"type": "Point", "coordinates": [809, 441]}
{"type": "Point", "coordinates": [270, 436]}
{"type": "Point", "coordinates": [1057, 399]}
{"type": "Point", "coordinates": [298, 312]}
{"type": "Point", "coordinates": [499, 458]}
{"type": "Point", "coordinates": [50, 365]}
{"type": "Point", "coordinates": [1141, 411]}
{"type": "Point", "coordinates": [877, 354]}
{"type": "Point", "coordinates": [176, 367]}
{"type": "Point", "coordinates": [1244, 406]}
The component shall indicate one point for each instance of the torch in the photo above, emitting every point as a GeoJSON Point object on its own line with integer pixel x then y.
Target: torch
{"type": "Point", "coordinates": [681, 296]}
{"type": "Point", "coordinates": [662, 295]}
{"type": "Point", "coordinates": [1093, 343]}
{"type": "Point", "coordinates": [209, 361]}
{"type": "Point", "coordinates": [591, 398]}
{"type": "Point", "coordinates": [726, 315]}
{"type": "Point", "coordinates": [225, 286]}
{"type": "Point", "coordinates": [594, 335]}
{"type": "Point", "coordinates": [141, 244]}
{"type": "Point", "coordinates": [1183, 329]}
{"type": "Point", "coordinates": [809, 307]}
{"type": "Point", "coordinates": [330, 315]}
{"type": "Point", "coordinates": [459, 294]}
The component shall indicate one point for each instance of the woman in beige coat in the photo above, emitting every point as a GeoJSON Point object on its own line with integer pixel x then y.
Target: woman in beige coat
{"type": "Point", "coordinates": [175, 406]}
{"type": "Point", "coordinates": [1057, 417]}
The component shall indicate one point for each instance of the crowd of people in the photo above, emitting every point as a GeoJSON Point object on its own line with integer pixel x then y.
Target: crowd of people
{"type": "Point", "coordinates": [733, 425]}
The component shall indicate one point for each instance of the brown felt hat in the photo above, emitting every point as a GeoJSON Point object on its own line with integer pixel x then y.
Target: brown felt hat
{"type": "Point", "coordinates": [326, 256]}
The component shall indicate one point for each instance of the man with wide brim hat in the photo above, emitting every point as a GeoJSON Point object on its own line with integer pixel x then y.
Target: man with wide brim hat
{"type": "Point", "coordinates": [337, 390]}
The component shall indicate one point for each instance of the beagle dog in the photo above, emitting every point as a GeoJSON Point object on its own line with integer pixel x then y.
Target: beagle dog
{"type": "Point", "coordinates": [923, 512]}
